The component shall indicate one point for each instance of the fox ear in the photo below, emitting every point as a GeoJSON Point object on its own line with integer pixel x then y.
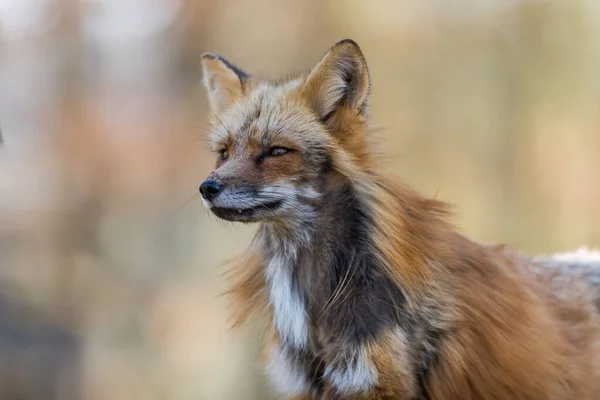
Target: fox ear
{"type": "Point", "coordinates": [224, 82]}
{"type": "Point", "coordinates": [339, 80]}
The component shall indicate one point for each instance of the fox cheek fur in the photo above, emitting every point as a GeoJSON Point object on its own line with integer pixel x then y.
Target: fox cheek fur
{"type": "Point", "coordinates": [364, 290]}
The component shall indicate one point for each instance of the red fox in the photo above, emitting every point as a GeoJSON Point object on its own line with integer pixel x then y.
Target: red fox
{"type": "Point", "coordinates": [364, 288]}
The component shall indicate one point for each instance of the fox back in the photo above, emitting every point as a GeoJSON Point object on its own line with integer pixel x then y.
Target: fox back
{"type": "Point", "coordinates": [363, 287]}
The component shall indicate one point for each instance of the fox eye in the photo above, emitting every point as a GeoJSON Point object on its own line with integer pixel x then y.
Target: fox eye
{"type": "Point", "coordinates": [224, 154]}
{"type": "Point", "coordinates": [277, 151]}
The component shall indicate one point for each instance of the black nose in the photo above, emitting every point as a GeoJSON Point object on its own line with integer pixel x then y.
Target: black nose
{"type": "Point", "coordinates": [210, 189]}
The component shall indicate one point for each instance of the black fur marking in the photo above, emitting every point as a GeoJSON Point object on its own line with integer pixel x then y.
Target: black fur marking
{"type": "Point", "coordinates": [327, 117]}
{"type": "Point", "coordinates": [314, 368]}
{"type": "Point", "coordinates": [244, 214]}
{"type": "Point", "coordinates": [327, 166]}
{"type": "Point", "coordinates": [427, 360]}
{"type": "Point", "coordinates": [347, 41]}
{"type": "Point", "coordinates": [360, 299]}
{"type": "Point", "coordinates": [351, 83]}
{"type": "Point", "coordinates": [241, 74]}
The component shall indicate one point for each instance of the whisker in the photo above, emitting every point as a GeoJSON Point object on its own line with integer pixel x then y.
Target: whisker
{"type": "Point", "coordinates": [345, 283]}
{"type": "Point", "coordinates": [219, 120]}
{"type": "Point", "coordinates": [181, 207]}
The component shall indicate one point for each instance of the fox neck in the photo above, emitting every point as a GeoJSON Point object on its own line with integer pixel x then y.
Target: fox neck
{"type": "Point", "coordinates": [329, 274]}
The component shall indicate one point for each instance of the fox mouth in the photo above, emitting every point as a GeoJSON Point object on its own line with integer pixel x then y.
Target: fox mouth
{"type": "Point", "coordinates": [245, 214]}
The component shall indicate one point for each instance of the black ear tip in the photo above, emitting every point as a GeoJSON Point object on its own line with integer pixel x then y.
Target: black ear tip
{"type": "Point", "coordinates": [350, 48]}
{"type": "Point", "coordinates": [347, 42]}
{"type": "Point", "coordinates": [209, 56]}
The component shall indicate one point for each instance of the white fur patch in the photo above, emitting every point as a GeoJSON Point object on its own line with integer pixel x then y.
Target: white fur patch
{"type": "Point", "coordinates": [288, 304]}
{"type": "Point", "coordinates": [355, 374]}
{"type": "Point", "coordinates": [286, 378]}
{"type": "Point", "coordinates": [582, 255]}
{"type": "Point", "coordinates": [309, 192]}
{"type": "Point", "coordinates": [582, 263]}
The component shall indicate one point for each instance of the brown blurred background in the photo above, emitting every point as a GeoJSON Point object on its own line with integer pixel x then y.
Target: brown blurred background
{"type": "Point", "coordinates": [109, 277]}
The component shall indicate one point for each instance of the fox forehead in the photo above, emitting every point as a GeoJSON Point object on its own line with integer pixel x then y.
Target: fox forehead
{"type": "Point", "coordinates": [270, 115]}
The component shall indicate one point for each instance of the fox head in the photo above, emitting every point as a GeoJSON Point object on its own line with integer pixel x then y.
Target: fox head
{"type": "Point", "coordinates": [279, 146]}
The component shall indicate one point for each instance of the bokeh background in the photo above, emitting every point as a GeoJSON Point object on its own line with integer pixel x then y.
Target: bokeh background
{"type": "Point", "coordinates": [109, 266]}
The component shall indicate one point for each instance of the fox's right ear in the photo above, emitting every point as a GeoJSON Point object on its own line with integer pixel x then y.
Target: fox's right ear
{"type": "Point", "coordinates": [224, 82]}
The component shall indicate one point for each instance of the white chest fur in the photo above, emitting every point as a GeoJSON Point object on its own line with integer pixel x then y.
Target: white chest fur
{"type": "Point", "coordinates": [289, 312]}
{"type": "Point", "coordinates": [286, 377]}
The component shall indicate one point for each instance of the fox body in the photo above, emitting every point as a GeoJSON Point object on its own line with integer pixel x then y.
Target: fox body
{"type": "Point", "coordinates": [364, 289]}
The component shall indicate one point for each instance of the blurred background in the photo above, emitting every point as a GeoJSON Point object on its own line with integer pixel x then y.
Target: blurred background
{"type": "Point", "coordinates": [109, 265]}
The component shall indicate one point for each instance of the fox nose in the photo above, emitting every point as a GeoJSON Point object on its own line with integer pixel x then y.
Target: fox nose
{"type": "Point", "coordinates": [210, 189]}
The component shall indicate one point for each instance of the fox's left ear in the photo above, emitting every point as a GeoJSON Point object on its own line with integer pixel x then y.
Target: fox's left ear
{"type": "Point", "coordinates": [224, 82]}
{"type": "Point", "coordinates": [339, 81]}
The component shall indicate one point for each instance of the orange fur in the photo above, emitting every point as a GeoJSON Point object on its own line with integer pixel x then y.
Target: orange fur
{"type": "Point", "coordinates": [248, 289]}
